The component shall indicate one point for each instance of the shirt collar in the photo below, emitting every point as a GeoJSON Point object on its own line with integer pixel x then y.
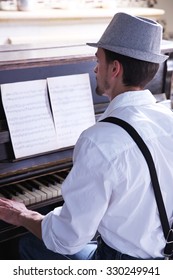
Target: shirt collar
{"type": "Point", "coordinates": [130, 98]}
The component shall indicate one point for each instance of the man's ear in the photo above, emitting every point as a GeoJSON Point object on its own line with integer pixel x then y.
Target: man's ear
{"type": "Point", "coordinates": [116, 68]}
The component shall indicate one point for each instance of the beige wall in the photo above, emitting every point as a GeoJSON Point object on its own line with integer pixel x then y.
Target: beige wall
{"type": "Point", "coordinates": [167, 5]}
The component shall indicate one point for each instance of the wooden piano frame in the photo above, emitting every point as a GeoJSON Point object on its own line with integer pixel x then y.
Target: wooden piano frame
{"type": "Point", "coordinates": [40, 62]}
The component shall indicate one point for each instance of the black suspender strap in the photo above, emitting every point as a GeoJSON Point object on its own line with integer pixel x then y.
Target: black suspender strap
{"type": "Point", "coordinates": [168, 232]}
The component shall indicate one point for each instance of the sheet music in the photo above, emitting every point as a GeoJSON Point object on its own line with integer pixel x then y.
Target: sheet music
{"type": "Point", "coordinates": [72, 106]}
{"type": "Point", "coordinates": [34, 128]}
{"type": "Point", "coordinates": [29, 117]}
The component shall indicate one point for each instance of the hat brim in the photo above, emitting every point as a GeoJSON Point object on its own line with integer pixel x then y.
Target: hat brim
{"type": "Point", "coordinates": [137, 54]}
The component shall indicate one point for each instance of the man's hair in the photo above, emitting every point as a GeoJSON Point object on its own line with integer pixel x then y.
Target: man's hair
{"type": "Point", "coordinates": [135, 72]}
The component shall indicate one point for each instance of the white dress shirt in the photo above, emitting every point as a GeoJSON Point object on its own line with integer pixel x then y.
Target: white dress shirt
{"type": "Point", "coordinates": [109, 187]}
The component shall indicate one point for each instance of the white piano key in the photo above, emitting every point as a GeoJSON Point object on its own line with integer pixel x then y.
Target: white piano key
{"type": "Point", "coordinates": [42, 194]}
{"type": "Point", "coordinates": [53, 186]}
{"type": "Point", "coordinates": [16, 198]}
{"type": "Point", "coordinates": [53, 183]}
{"type": "Point", "coordinates": [29, 194]}
{"type": "Point", "coordinates": [44, 189]}
{"type": "Point", "coordinates": [57, 187]}
{"type": "Point", "coordinates": [35, 192]}
{"type": "Point", "coordinates": [47, 185]}
{"type": "Point", "coordinates": [25, 199]}
{"type": "Point", "coordinates": [53, 190]}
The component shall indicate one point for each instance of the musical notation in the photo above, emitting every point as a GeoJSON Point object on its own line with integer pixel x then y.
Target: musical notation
{"type": "Point", "coordinates": [42, 120]}
{"type": "Point", "coordinates": [72, 106]}
{"type": "Point", "coordinates": [29, 117]}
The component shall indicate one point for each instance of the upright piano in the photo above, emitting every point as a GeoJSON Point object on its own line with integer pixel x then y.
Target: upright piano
{"type": "Point", "coordinates": [37, 180]}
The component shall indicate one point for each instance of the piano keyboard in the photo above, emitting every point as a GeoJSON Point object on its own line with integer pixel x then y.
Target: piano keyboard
{"type": "Point", "coordinates": [35, 190]}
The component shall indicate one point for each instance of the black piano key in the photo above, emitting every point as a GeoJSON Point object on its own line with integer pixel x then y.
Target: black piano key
{"type": "Point", "coordinates": [12, 190]}
{"type": "Point", "coordinates": [58, 178]}
{"type": "Point", "coordinates": [50, 179]}
{"type": "Point", "coordinates": [34, 184]}
{"type": "Point", "coordinates": [5, 193]}
{"type": "Point", "coordinates": [43, 181]}
{"type": "Point", "coordinates": [64, 174]}
{"type": "Point", "coordinates": [27, 186]}
{"type": "Point", "coordinates": [18, 189]}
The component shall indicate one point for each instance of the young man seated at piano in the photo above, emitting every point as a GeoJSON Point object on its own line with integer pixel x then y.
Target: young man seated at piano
{"type": "Point", "coordinates": [108, 190]}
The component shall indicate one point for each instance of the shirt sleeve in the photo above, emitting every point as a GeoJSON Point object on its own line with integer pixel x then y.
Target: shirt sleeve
{"type": "Point", "coordinates": [86, 194]}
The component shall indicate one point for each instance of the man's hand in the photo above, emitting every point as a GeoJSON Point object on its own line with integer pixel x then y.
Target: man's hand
{"type": "Point", "coordinates": [15, 213]}
{"type": "Point", "coordinates": [10, 211]}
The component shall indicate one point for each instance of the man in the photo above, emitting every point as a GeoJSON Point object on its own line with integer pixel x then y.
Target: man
{"type": "Point", "coordinates": [109, 188]}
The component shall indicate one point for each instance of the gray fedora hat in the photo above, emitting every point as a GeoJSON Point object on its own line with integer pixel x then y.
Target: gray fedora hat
{"type": "Point", "coordinates": [132, 36]}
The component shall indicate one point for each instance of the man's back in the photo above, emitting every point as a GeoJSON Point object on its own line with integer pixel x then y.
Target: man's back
{"type": "Point", "coordinates": [131, 223]}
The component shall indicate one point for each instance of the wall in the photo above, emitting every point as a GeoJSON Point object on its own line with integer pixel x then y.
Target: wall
{"type": "Point", "coordinates": [167, 5]}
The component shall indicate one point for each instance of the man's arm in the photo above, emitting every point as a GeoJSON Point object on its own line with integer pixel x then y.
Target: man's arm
{"type": "Point", "coordinates": [16, 213]}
